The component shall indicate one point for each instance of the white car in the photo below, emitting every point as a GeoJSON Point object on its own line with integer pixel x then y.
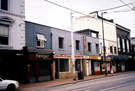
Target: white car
{"type": "Point", "coordinates": [9, 85]}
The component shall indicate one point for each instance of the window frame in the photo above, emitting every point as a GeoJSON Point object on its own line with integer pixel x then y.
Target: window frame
{"type": "Point", "coordinates": [77, 45]}
{"type": "Point", "coordinates": [111, 49]}
{"type": "Point", "coordinates": [5, 36]}
{"type": "Point", "coordinates": [97, 48]}
{"type": "Point", "coordinates": [61, 46]}
{"type": "Point", "coordinates": [8, 3]}
{"type": "Point", "coordinates": [89, 47]}
{"type": "Point", "coordinates": [41, 41]}
{"type": "Point", "coordinates": [115, 50]}
{"type": "Point", "coordinates": [59, 64]}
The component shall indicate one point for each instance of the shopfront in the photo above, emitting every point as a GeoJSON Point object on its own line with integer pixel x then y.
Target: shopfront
{"type": "Point", "coordinates": [40, 67]}
{"type": "Point", "coordinates": [95, 65]}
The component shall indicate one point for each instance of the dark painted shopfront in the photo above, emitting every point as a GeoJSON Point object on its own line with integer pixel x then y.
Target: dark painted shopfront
{"type": "Point", "coordinates": [12, 65]}
{"type": "Point", "coordinates": [39, 65]}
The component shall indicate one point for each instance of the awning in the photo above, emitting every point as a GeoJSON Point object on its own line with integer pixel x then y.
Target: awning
{"type": "Point", "coordinates": [41, 37]}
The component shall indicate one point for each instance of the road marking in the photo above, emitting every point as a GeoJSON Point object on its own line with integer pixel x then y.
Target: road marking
{"type": "Point", "coordinates": [122, 85]}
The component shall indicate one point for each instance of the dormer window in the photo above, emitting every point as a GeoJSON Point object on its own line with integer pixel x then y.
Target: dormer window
{"type": "Point", "coordinates": [4, 5]}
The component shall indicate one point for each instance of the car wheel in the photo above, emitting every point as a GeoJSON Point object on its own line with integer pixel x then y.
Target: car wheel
{"type": "Point", "coordinates": [10, 87]}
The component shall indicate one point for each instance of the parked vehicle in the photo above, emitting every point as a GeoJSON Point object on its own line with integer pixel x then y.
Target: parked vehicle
{"type": "Point", "coordinates": [9, 85]}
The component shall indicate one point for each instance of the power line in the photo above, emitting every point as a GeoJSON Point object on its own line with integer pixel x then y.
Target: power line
{"type": "Point", "coordinates": [66, 8]}
{"type": "Point", "coordinates": [116, 7]}
{"type": "Point", "coordinates": [119, 11]}
{"type": "Point", "coordinates": [127, 5]}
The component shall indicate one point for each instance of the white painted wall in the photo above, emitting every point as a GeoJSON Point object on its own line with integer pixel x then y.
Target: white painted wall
{"type": "Point", "coordinates": [96, 25]}
{"type": "Point", "coordinates": [17, 29]}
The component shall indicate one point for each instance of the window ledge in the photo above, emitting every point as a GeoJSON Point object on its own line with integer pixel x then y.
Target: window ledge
{"type": "Point", "coordinates": [40, 47]}
{"type": "Point", "coordinates": [61, 49]}
{"type": "Point", "coordinates": [5, 47]}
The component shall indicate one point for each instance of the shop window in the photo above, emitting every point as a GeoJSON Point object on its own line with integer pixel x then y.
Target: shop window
{"type": "Point", "coordinates": [64, 65]}
{"type": "Point", "coordinates": [40, 40]}
{"type": "Point", "coordinates": [61, 65]}
{"type": "Point", "coordinates": [4, 5]}
{"type": "Point", "coordinates": [77, 65]}
{"type": "Point", "coordinates": [4, 34]}
{"type": "Point", "coordinates": [77, 44]}
{"type": "Point", "coordinates": [89, 46]}
{"type": "Point", "coordinates": [61, 42]}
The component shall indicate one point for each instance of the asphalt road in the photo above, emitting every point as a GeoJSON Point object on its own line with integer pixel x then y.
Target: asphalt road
{"type": "Point", "coordinates": [125, 82]}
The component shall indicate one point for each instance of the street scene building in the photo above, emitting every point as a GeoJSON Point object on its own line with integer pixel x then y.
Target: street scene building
{"type": "Point", "coordinates": [124, 60]}
{"type": "Point", "coordinates": [32, 52]}
{"type": "Point", "coordinates": [12, 38]}
{"type": "Point", "coordinates": [107, 36]}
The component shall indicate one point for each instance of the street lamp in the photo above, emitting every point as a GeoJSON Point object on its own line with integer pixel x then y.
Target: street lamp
{"type": "Point", "coordinates": [104, 48]}
{"type": "Point", "coordinates": [73, 54]}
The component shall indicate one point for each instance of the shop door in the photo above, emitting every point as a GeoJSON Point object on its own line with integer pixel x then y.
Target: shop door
{"type": "Point", "coordinates": [118, 66]}
{"type": "Point", "coordinates": [44, 71]}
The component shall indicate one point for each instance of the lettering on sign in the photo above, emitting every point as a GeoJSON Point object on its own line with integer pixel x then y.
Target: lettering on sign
{"type": "Point", "coordinates": [39, 56]}
{"type": "Point", "coordinates": [42, 56]}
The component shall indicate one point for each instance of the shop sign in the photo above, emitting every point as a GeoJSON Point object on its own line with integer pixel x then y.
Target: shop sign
{"type": "Point", "coordinates": [62, 56]}
{"type": "Point", "coordinates": [39, 56]}
{"type": "Point", "coordinates": [43, 56]}
{"type": "Point", "coordinates": [95, 57]}
{"type": "Point", "coordinates": [107, 58]}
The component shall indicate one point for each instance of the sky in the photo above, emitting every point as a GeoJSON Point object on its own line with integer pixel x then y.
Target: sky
{"type": "Point", "coordinates": [43, 12]}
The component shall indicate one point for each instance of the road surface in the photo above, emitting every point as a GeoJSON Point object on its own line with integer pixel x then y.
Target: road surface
{"type": "Point", "coordinates": [124, 82]}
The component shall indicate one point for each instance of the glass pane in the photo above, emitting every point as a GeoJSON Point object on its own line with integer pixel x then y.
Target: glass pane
{"type": "Point", "coordinates": [4, 30]}
{"type": "Point", "coordinates": [61, 42]}
{"type": "Point", "coordinates": [4, 4]}
{"type": "Point", "coordinates": [3, 40]}
{"type": "Point", "coordinates": [64, 65]}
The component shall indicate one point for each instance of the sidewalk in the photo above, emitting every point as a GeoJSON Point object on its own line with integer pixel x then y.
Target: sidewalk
{"type": "Point", "coordinates": [67, 81]}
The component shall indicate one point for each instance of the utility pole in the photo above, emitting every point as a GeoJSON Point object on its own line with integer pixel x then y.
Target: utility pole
{"type": "Point", "coordinates": [73, 54]}
{"type": "Point", "coordinates": [104, 48]}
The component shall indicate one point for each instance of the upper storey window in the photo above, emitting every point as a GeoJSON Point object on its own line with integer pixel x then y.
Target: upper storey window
{"type": "Point", "coordinates": [4, 34]}
{"type": "Point", "coordinates": [41, 40]}
{"type": "Point", "coordinates": [4, 5]}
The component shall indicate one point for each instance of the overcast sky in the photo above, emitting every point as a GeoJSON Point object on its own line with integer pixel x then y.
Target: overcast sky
{"type": "Point", "coordinates": [42, 12]}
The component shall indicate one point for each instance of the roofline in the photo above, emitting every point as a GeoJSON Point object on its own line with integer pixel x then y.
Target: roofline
{"type": "Point", "coordinates": [122, 27]}
{"type": "Point", "coordinates": [46, 26]}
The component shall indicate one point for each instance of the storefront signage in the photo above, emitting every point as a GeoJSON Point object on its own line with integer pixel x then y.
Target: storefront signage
{"type": "Point", "coordinates": [69, 56]}
{"type": "Point", "coordinates": [107, 58]}
{"type": "Point", "coordinates": [42, 56]}
{"type": "Point", "coordinates": [62, 56]}
{"type": "Point", "coordinates": [39, 56]}
{"type": "Point", "coordinates": [95, 57]}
